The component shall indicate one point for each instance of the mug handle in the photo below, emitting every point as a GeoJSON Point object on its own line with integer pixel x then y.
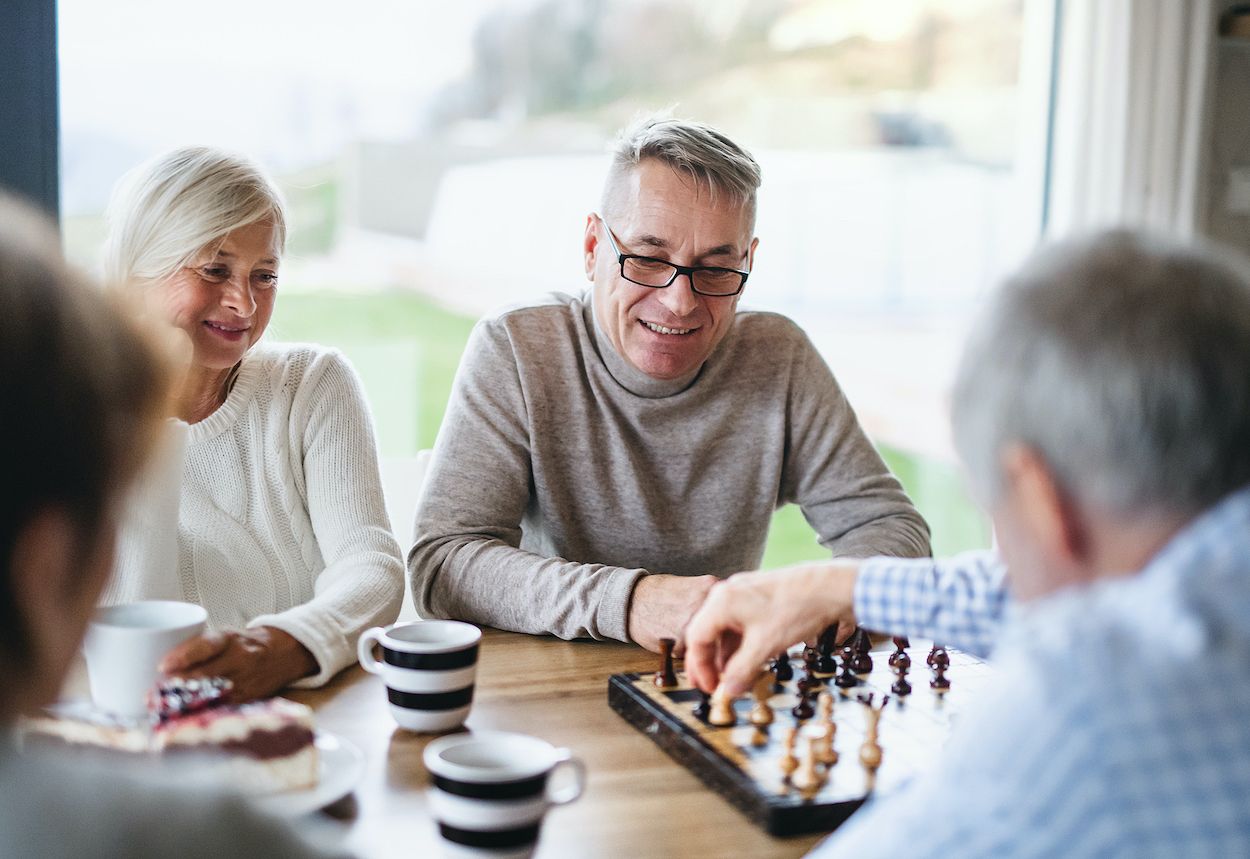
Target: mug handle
{"type": "Point", "coordinates": [564, 797]}
{"type": "Point", "coordinates": [364, 649]}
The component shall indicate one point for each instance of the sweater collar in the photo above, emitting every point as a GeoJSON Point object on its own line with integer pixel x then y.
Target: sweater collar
{"type": "Point", "coordinates": [238, 398]}
{"type": "Point", "coordinates": [626, 374]}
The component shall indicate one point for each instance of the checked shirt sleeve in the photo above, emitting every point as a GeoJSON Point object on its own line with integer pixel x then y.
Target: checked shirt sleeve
{"type": "Point", "coordinates": [958, 602]}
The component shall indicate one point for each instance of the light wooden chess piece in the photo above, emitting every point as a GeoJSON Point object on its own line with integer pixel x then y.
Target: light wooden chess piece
{"type": "Point", "coordinates": [722, 713]}
{"type": "Point", "coordinates": [761, 713]}
{"type": "Point", "coordinates": [828, 754]}
{"type": "Point", "coordinates": [870, 751]}
{"type": "Point", "coordinates": [788, 763]}
{"type": "Point", "coordinates": [809, 779]}
{"type": "Point", "coordinates": [759, 737]}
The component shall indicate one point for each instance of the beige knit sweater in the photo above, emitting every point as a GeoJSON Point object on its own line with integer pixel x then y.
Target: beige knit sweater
{"type": "Point", "coordinates": [270, 511]}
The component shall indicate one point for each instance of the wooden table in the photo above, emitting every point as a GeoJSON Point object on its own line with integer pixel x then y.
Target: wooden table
{"type": "Point", "coordinates": [638, 802]}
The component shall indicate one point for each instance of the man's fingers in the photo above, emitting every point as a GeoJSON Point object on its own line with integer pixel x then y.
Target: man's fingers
{"type": "Point", "coordinates": [745, 665]}
{"type": "Point", "coordinates": [193, 652]}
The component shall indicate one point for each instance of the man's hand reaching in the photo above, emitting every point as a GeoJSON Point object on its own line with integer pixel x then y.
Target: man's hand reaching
{"type": "Point", "coordinates": [750, 617]}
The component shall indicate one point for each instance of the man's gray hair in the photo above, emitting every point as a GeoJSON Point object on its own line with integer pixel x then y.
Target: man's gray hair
{"type": "Point", "coordinates": [1124, 361]}
{"type": "Point", "coordinates": [713, 161]}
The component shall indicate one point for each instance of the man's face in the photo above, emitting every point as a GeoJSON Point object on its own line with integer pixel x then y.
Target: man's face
{"type": "Point", "coordinates": [666, 333]}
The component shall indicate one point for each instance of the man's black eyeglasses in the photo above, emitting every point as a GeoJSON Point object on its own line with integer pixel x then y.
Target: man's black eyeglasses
{"type": "Point", "coordinates": [659, 273]}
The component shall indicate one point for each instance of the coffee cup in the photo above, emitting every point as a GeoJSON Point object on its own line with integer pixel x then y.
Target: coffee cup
{"type": "Point", "coordinates": [428, 667]}
{"type": "Point", "coordinates": [125, 644]}
{"type": "Point", "coordinates": [490, 790]}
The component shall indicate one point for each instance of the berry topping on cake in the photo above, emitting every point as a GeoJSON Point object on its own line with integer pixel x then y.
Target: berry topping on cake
{"type": "Point", "coordinates": [178, 697]}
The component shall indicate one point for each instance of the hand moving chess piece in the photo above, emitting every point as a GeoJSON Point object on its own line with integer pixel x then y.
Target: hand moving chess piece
{"type": "Point", "coordinates": [761, 713]}
{"type": "Point", "coordinates": [722, 713]}
{"type": "Point", "coordinates": [666, 677]}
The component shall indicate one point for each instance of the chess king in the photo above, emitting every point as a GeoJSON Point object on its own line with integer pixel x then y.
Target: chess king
{"type": "Point", "coordinates": [606, 455]}
{"type": "Point", "coordinates": [1103, 410]}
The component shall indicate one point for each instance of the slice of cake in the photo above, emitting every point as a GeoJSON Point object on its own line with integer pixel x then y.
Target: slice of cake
{"type": "Point", "coordinates": [259, 747]}
{"type": "Point", "coordinates": [262, 747]}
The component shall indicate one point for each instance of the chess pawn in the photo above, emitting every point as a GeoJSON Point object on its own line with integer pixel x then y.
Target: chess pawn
{"type": "Point", "coordinates": [901, 687]}
{"type": "Point", "coordinates": [861, 659]}
{"type": "Point", "coordinates": [846, 679]}
{"type": "Point", "coordinates": [761, 713]}
{"type": "Point", "coordinates": [782, 669]}
{"type": "Point", "coordinates": [826, 707]}
{"type": "Point", "coordinates": [870, 751]}
{"type": "Point", "coordinates": [808, 779]}
{"type": "Point", "coordinates": [702, 709]}
{"type": "Point", "coordinates": [666, 677]}
{"type": "Point", "coordinates": [900, 650]}
{"type": "Point", "coordinates": [803, 710]}
{"type": "Point", "coordinates": [788, 763]}
{"type": "Point", "coordinates": [722, 712]}
{"type": "Point", "coordinates": [940, 682]}
{"type": "Point", "coordinates": [828, 754]}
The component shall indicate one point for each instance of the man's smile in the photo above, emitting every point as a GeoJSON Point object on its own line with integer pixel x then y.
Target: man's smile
{"type": "Point", "coordinates": [662, 329]}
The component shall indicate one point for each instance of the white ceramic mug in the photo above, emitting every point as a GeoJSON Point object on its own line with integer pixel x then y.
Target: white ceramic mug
{"type": "Point", "coordinates": [428, 667]}
{"type": "Point", "coordinates": [125, 644]}
{"type": "Point", "coordinates": [490, 790]}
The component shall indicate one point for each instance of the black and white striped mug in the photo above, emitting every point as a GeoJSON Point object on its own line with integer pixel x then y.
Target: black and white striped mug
{"type": "Point", "coordinates": [489, 791]}
{"type": "Point", "coordinates": [428, 667]}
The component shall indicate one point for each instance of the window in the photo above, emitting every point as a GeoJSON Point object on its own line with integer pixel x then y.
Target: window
{"type": "Point", "coordinates": [902, 146]}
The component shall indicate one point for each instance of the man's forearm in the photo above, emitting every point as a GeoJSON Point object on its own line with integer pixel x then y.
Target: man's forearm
{"type": "Point", "coordinates": [957, 601]}
{"type": "Point", "coordinates": [489, 582]}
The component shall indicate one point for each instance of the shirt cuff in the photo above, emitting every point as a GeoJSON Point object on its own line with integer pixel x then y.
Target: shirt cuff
{"type": "Point", "coordinates": [612, 615]}
{"type": "Point", "coordinates": [891, 595]}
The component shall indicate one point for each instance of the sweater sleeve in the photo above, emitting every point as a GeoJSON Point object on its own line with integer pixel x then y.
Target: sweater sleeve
{"type": "Point", "coordinates": [832, 471]}
{"type": "Point", "coordinates": [467, 562]}
{"type": "Point", "coordinates": [362, 583]}
{"type": "Point", "coordinates": [146, 562]}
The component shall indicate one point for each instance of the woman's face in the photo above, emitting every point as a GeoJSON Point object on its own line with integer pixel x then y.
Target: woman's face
{"type": "Point", "coordinates": [223, 299]}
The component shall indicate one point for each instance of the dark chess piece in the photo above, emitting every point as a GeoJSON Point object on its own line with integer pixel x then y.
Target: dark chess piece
{"type": "Point", "coordinates": [666, 677]}
{"type": "Point", "coordinates": [804, 709]}
{"type": "Point", "coordinates": [902, 665]}
{"type": "Point", "coordinates": [810, 660]}
{"type": "Point", "coordinates": [782, 669]}
{"type": "Point", "coordinates": [827, 665]}
{"type": "Point", "coordinates": [928, 660]}
{"type": "Point", "coordinates": [860, 645]}
{"type": "Point", "coordinates": [846, 679]}
{"type": "Point", "coordinates": [704, 707]}
{"type": "Point", "coordinates": [900, 649]}
{"type": "Point", "coordinates": [940, 660]}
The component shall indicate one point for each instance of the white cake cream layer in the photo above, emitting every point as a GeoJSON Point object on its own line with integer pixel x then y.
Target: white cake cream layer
{"type": "Point", "coordinates": [256, 776]}
{"type": "Point", "coordinates": [485, 815]}
{"type": "Point", "coordinates": [236, 723]}
{"type": "Point", "coordinates": [419, 680]}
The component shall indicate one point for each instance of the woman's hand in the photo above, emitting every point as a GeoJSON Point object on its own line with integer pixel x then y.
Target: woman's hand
{"type": "Point", "coordinates": [259, 662]}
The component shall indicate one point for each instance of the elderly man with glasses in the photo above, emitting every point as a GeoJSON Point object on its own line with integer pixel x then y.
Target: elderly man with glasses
{"type": "Point", "coordinates": [605, 457]}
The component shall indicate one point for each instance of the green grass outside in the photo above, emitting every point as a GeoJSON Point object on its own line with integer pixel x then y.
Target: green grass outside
{"type": "Point", "coordinates": [406, 350]}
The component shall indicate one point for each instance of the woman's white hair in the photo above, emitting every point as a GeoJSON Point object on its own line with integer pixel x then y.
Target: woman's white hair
{"type": "Point", "coordinates": [168, 210]}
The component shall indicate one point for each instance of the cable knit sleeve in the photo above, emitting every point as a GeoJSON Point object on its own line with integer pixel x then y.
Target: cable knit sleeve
{"type": "Point", "coordinates": [362, 583]}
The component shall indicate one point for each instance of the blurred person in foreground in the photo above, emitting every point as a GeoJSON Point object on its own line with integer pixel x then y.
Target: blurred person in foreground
{"type": "Point", "coordinates": [1103, 411]}
{"type": "Point", "coordinates": [606, 456]}
{"type": "Point", "coordinates": [266, 504]}
{"type": "Point", "coordinates": [82, 394]}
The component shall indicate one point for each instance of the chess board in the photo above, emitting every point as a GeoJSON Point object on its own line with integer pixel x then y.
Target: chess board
{"type": "Point", "coordinates": [912, 732]}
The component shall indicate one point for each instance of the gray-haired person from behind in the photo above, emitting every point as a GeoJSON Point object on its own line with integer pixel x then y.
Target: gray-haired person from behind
{"type": "Point", "coordinates": [83, 392]}
{"type": "Point", "coordinates": [265, 505]}
{"type": "Point", "coordinates": [607, 456]}
{"type": "Point", "coordinates": [1102, 407]}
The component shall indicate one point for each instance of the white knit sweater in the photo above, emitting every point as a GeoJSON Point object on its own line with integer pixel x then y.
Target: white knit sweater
{"type": "Point", "coordinates": [270, 512]}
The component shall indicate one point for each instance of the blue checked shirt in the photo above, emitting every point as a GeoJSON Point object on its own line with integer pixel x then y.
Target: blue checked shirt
{"type": "Point", "coordinates": [1119, 722]}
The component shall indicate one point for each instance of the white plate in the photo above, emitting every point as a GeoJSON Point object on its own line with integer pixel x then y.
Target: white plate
{"type": "Point", "coordinates": [340, 765]}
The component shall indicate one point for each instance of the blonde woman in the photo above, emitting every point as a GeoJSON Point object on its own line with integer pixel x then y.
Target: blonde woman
{"type": "Point", "coordinates": [268, 508]}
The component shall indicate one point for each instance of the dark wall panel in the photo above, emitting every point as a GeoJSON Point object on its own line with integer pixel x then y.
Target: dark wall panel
{"type": "Point", "coordinates": [29, 142]}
